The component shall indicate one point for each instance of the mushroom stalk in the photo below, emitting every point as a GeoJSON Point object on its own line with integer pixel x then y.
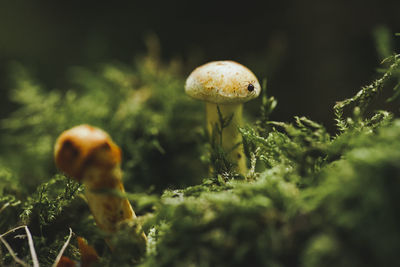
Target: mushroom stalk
{"type": "Point", "coordinates": [108, 210]}
{"type": "Point", "coordinates": [227, 136]}
{"type": "Point", "coordinates": [88, 155]}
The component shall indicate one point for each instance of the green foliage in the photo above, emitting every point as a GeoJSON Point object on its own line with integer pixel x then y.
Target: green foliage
{"type": "Point", "coordinates": [49, 200]}
{"type": "Point", "coordinates": [357, 221]}
{"type": "Point", "coordinates": [268, 105]}
{"type": "Point", "coordinates": [44, 212]}
{"type": "Point", "coordinates": [310, 198]}
{"type": "Point", "coordinates": [141, 106]}
{"type": "Point", "coordinates": [365, 96]}
{"type": "Point", "coordinates": [198, 233]}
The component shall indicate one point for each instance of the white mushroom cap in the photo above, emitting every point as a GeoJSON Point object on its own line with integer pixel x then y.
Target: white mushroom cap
{"type": "Point", "coordinates": [223, 82]}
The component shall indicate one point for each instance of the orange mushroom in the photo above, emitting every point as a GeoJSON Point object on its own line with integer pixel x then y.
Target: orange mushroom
{"type": "Point", "coordinates": [88, 155]}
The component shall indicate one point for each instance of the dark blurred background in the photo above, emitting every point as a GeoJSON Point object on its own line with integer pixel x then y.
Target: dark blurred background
{"type": "Point", "coordinates": [312, 52]}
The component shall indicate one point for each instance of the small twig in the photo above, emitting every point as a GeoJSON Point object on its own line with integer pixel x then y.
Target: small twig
{"type": "Point", "coordinates": [32, 248]}
{"type": "Point", "coordinates": [4, 206]}
{"type": "Point", "coordinates": [12, 230]}
{"type": "Point", "coordinates": [16, 259]}
{"type": "Point", "coordinates": [62, 249]}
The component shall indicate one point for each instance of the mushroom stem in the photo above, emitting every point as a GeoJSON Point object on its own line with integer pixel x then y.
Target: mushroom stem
{"type": "Point", "coordinates": [227, 136]}
{"type": "Point", "coordinates": [88, 155]}
{"type": "Point", "coordinates": [109, 210]}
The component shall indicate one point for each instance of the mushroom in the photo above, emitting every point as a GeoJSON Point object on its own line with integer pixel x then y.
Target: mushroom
{"type": "Point", "coordinates": [88, 155]}
{"type": "Point", "coordinates": [225, 86]}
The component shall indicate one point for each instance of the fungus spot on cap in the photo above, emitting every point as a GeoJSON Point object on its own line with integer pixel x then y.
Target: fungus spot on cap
{"type": "Point", "coordinates": [223, 82]}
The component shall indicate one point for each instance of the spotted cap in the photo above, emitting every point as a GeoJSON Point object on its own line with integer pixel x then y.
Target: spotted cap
{"type": "Point", "coordinates": [223, 82]}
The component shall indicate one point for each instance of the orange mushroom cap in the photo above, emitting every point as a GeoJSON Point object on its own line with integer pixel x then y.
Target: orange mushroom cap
{"type": "Point", "coordinates": [82, 146]}
{"type": "Point", "coordinates": [66, 262]}
{"type": "Point", "coordinates": [89, 254]}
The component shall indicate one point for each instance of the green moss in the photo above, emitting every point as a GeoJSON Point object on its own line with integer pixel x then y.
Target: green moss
{"type": "Point", "coordinates": [310, 198]}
